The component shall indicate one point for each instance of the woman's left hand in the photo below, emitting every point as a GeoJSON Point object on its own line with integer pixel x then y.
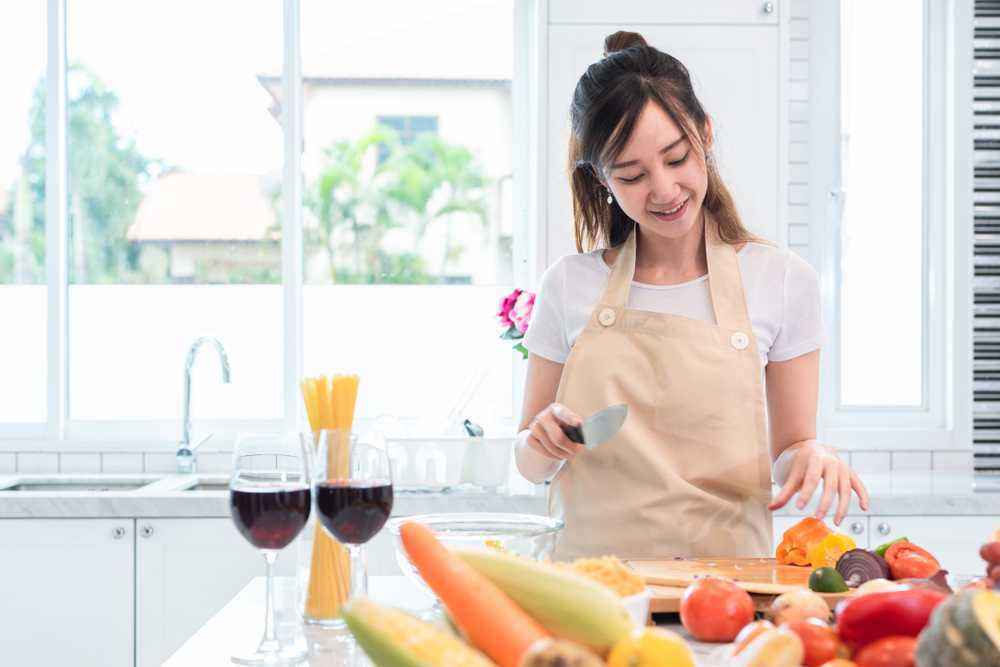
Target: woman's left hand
{"type": "Point", "coordinates": [808, 462]}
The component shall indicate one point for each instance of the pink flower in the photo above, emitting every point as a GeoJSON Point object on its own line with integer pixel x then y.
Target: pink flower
{"type": "Point", "coordinates": [507, 305]}
{"type": "Point", "coordinates": [521, 313]}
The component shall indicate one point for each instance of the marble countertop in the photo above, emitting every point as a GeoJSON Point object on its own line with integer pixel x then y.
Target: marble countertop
{"type": "Point", "coordinates": [205, 495]}
{"type": "Point", "coordinates": [238, 626]}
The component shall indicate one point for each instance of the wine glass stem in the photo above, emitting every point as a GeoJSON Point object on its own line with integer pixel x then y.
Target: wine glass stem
{"type": "Point", "coordinates": [269, 642]}
{"type": "Point", "coordinates": [359, 570]}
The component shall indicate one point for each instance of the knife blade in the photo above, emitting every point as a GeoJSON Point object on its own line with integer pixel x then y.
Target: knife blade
{"type": "Point", "coordinates": [598, 427]}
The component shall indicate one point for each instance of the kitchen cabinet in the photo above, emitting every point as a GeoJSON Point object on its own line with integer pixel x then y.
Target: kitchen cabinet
{"type": "Point", "coordinates": [67, 592]}
{"type": "Point", "coordinates": [656, 11]}
{"type": "Point", "coordinates": [186, 570]}
{"type": "Point", "coordinates": [954, 540]}
{"type": "Point", "coordinates": [735, 72]}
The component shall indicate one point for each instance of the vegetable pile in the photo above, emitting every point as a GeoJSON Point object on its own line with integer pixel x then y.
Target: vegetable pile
{"type": "Point", "coordinates": [510, 611]}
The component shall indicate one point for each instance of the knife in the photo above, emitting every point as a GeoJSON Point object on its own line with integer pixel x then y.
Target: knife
{"type": "Point", "coordinates": [598, 427]}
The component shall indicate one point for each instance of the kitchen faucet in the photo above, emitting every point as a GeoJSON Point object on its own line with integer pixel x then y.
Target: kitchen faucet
{"type": "Point", "coordinates": [186, 454]}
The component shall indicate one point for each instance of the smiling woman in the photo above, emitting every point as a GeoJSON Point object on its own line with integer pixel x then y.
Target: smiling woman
{"type": "Point", "coordinates": [677, 317]}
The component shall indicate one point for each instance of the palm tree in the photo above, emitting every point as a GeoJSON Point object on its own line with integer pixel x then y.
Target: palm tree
{"type": "Point", "coordinates": [348, 197]}
{"type": "Point", "coordinates": [438, 182]}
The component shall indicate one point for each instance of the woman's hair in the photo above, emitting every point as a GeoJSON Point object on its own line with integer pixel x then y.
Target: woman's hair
{"type": "Point", "coordinates": [607, 102]}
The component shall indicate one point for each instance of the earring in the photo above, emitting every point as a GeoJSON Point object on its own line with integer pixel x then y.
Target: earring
{"type": "Point", "coordinates": [610, 198]}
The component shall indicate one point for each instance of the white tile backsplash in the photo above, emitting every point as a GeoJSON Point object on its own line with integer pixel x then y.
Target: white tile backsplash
{"type": "Point", "coordinates": [215, 462]}
{"type": "Point", "coordinates": [911, 460]}
{"type": "Point", "coordinates": [37, 462]}
{"type": "Point", "coordinates": [8, 463]}
{"type": "Point", "coordinates": [159, 462]}
{"type": "Point", "coordinates": [118, 462]}
{"type": "Point", "coordinates": [952, 461]}
{"type": "Point", "coordinates": [80, 463]}
{"type": "Point", "coordinates": [870, 462]}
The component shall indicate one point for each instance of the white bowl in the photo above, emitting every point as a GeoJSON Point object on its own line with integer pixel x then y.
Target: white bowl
{"type": "Point", "coordinates": [638, 606]}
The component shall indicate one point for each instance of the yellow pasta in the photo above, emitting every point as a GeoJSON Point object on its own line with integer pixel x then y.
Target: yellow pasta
{"type": "Point", "coordinates": [611, 572]}
{"type": "Point", "coordinates": [330, 404]}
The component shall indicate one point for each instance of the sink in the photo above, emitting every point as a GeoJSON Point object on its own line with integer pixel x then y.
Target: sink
{"type": "Point", "coordinates": [209, 486]}
{"type": "Point", "coordinates": [92, 483]}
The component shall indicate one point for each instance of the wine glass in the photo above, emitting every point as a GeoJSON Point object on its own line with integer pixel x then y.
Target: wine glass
{"type": "Point", "coordinates": [353, 495]}
{"type": "Point", "coordinates": [270, 499]}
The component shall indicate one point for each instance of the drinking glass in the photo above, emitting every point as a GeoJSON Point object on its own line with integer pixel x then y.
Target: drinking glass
{"type": "Point", "coordinates": [353, 496]}
{"type": "Point", "coordinates": [270, 500]}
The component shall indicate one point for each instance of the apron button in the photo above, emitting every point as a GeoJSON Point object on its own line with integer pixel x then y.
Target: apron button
{"type": "Point", "coordinates": [606, 317]}
{"type": "Point", "coordinates": [739, 340]}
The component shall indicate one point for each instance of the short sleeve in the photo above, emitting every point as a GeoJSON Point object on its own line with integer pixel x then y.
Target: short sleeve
{"type": "Point", "coordinates": [802, 321]}
{"type": "Point", "coordinates": [546, 335]}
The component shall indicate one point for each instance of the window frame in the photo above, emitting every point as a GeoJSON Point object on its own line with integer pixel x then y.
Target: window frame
{"type": "Point", "coordinates": [943, 420]}
{"type": "Point", "coordinates": [61, 433]}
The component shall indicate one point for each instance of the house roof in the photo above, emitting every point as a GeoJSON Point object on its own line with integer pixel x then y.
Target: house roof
{"type": "Point", "coordinates": [205, 207]}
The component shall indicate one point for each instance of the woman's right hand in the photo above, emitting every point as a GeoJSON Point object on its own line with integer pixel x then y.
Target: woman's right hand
{"type": "Point", "coordinates": [545, 434]}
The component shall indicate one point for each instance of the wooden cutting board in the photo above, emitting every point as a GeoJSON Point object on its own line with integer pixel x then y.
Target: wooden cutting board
{"type": "Point", "coordinates": [763, 578]}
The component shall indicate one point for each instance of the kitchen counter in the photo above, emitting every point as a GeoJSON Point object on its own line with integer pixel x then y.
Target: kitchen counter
{"type": "Point", "coordinates": [903, 494]}
{"type": "Point", "coordinates": [238, 627]}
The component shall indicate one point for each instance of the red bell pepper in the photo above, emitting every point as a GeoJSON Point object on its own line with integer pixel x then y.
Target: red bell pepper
{"type": "Point", "coordinates": [862, 620]}
{"type": "Point", "coordinates": [906, 560]}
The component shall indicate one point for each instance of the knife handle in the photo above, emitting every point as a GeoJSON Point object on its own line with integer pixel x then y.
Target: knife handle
{"type": "Point", "coordinates": [573, 433]}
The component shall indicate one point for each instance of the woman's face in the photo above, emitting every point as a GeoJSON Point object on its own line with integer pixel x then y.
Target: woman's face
{"type": "Point", "coordinates": [658, 179]}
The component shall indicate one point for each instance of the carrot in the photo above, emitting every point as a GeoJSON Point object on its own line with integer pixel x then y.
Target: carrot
{"type": "Point", "coordinates": [490, 619]}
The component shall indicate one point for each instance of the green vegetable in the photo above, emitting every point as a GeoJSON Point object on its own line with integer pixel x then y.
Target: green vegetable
{"type": "Point", "coordinates": [826, 580]}
{"type": "Point", "coordinates": [882, 548]}
{"type": "Point", "coordinates": [964, 631]}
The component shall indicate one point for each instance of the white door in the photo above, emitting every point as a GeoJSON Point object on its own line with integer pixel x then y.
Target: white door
{"type": "Point", "coordinates": [855, 526]}
{"type": "Point", "coordinates": [187, 570]}
{"type": "Point", "coordinates": [734, 70]}
{"type": "Point", "coordinates": [66, 592]}
{"type": "Point", "coordinates": [953, 540]}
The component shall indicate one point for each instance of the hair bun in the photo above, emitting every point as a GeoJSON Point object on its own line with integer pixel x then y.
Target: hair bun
{"type": "Point", "coordinates": [622, 40]}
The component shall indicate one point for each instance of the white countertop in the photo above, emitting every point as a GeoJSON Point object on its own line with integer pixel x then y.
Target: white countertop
{"type": "Point", "coordinates": [238, 626]}
{"type": "Point", "coordinates": [915, 494]}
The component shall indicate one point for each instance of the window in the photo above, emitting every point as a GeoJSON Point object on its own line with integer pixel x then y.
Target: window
{"type": "Point", "coordinates": [175, 173]}
{"type": "Point", "coordinates": [888, 201]}
{"type": "Point", "coordinates": [407, 168]}
{"type": "Point", "coordinates": [883, 217]}
{"type": "Point", "coordinates": [407, 129]}
{"type": "Point", "coordinates": [23, 342]}
{"type": "Point", "coordinates": [379, 244]}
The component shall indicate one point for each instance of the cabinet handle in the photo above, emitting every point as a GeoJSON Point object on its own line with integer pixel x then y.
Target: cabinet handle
{"type": "Point", "coordinates": [857, 528]}
{"type": "Point", "coordinates": [117, 533]}
{"type": "Point", "coordinates": [768, 7]}
{"type": "Point", "coordinates": [884, 528]}
{"type": "Point", "coordinates": [146, 531]}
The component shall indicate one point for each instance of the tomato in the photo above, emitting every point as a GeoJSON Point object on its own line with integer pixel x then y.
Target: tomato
{"type": "Point", "coordinates": [819, 640]}
{"type": "Point", "coordinates": [715, 610]}
{"type": "Point", "coordinates": [888, 652]}
{"type": "Point", "coordinates": [907, 560]}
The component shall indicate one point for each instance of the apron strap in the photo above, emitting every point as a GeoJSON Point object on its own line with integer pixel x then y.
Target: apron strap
{"type": "Point", "coordinates": [724, 281]}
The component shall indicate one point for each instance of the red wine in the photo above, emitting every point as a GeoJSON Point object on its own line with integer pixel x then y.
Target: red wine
{"type": "Point", "coordinates": [270, 518]}
{"type": "Point", "coordinates": [354, 511]}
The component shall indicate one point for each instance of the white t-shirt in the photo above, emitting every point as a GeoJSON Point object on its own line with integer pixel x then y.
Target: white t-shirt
{"type": "Point", "coordinates": [782, 293]}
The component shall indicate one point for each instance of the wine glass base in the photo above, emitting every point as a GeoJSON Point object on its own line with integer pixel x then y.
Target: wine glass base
{"type": "Point", "coordinates": [286, 655]}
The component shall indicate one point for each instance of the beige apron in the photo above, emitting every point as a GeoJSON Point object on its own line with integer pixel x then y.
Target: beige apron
{"type": "Point", "coordinates": [689, 472]}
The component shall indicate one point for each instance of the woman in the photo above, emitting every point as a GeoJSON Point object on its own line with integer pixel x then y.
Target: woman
{"type": "Point", "coordinates": [678, 317]}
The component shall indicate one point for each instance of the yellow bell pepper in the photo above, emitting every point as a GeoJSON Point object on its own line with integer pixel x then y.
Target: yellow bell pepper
{"type": "Point", "coordinates": [828, 551]}
{"type": "Point", "coordinates": [651, 647]}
